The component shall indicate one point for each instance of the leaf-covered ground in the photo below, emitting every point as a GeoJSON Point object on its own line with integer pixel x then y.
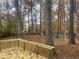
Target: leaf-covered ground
{"type": "Point", "coordinates": [18, 53]}
{"type": "Point", "coordinates": [62, 48]}
{"type": "Point", "coordinates": [65, 50]}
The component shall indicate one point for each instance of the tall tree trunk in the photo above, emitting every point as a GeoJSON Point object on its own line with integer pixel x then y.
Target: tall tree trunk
{"type": "Point", "coordinates": [21, 18]}
{"type": "Point", "coordinates": [36, 25]}
{"type": "Point", "coordinates": [28, 21]}
{"type": "Point", "coordinates": [59, 19]}
{"type": "Point", "coordinates": [48, 18]}
{"type": "Point", "coordinates": [40, 18]}
{"type": "Point", "coordinates": [9, 24]}
{"type": "Point", "coordinates": [72, 35]}
{"type": "Point", "coordinates": [77, 12]}
{"type": "Point", "coordinates": [18, 17]}
{"type": "Point", "coordinates": [61, 16]}
{"type": "Point", "coordinates": [8, 18]}
{"type": "Point", "coordinates": [32, 25]}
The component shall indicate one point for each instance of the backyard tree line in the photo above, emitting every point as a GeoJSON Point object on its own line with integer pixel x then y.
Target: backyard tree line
{"type": "Point", "coordinates": [54, 18]}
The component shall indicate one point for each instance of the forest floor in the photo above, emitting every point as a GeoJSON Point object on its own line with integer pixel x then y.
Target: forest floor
{"type": "Point", "coordinates": [62, 48]}
{"type": "Point", "coordinates": [65, 50]}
